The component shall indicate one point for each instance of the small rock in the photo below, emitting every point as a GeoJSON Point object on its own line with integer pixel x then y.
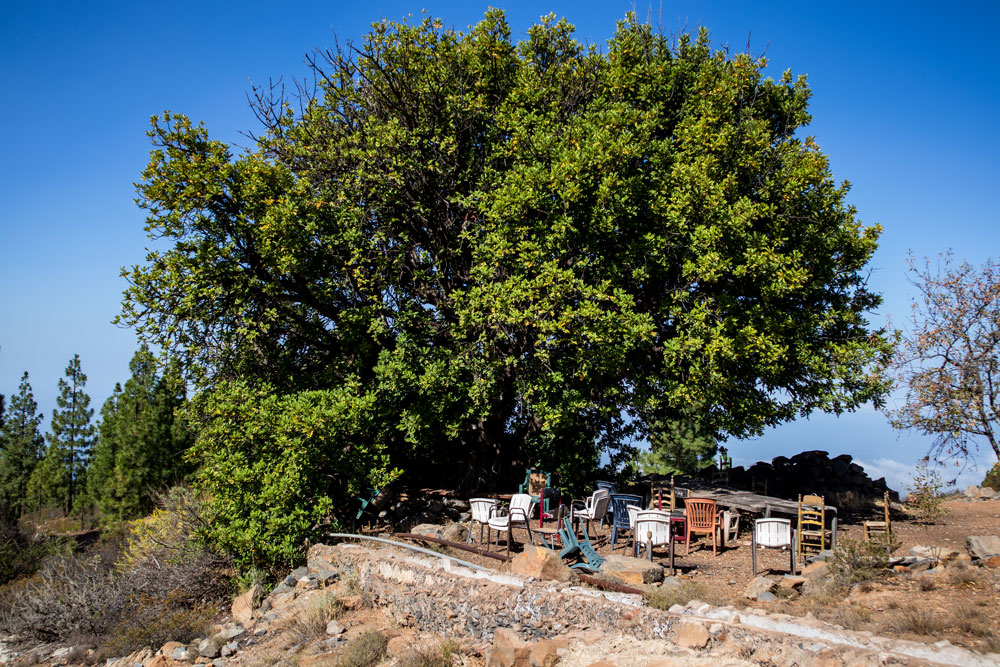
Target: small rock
{"type": "Point", "coordinates": [183, 654]}
{"type": "Point", "coordinates": [428, 529]}
{"type": "Point", "coordinates": [208, 648]}
{"type": "Point", "coordinates": [307, 583]}
{"type": "Point", "coordinates": [631, 570]}
{"type": "Point", "coordinates": [456, 532]}
{"type": "Point", "coordinates": [300, 572]}
{"type": "Point", "coordinates": [542, 564]}
{"type": "Point", "coordinates": [758, 586]}
{"type": "Point", "coordinates": [691, 635]}
{"type": "Point", "coordinates": [327, 577]}
{"type": "Point", "coordinates": [334, 628]}
{"type": "Point", "coordinates": [816, 570]}
{"type": "Point", "coordinates": [767, 596]}
{"type": "Point", "coordinates": [791, 581]}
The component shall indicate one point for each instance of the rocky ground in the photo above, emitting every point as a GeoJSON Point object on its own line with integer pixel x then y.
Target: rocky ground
{"type": "Point", "coordinates": [359, 603]}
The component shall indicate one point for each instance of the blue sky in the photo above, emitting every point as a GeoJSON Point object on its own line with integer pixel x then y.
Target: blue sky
{"type": "Point", "coordinates": [906, 99]}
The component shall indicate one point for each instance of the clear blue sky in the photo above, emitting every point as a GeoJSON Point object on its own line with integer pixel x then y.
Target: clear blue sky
{"type": "Point", "coordinates": [906, 99]}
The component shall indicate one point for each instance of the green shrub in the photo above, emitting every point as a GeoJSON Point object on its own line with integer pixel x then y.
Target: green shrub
{"type": "Point", "coordinates": [859, 560]}
{"type": "Point", "coordinates": [21, 556]}
{"type": "Point", "coordinates": [274, 467]}
{"type": "Point", "coordinates": [992, 479]}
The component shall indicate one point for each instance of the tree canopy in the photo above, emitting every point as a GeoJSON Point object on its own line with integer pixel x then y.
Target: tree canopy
{"type": "Point", "coordinates": [949, 359]}
{"type": "Point", "coordinates": [22, 448]}
{"type": "Point", "coordinates": [514, 253]}
{"type": "Point", "coordinates": [141, 445]}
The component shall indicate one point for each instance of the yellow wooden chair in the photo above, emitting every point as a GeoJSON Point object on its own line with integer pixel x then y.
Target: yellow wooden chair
{"type": "Point", "coordinates": [879, 526]}
{"type": "Point", "coordinates": [812, 532]}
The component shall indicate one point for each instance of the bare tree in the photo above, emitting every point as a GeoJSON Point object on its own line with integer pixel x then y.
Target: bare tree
{"type": "Point", "coordinates": [948, 361]}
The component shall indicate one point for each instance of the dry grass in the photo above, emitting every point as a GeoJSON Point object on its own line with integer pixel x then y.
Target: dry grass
{"type": "Point", "coordinates": [850, 617]}
{"type": "Point", "coordinates": [926, 584]}
{"type": "Point", "coordinates": [310, 624]}
{"type": "Point", "coordinates": [965, 577]}
{"type": "Point", "coordinates": [365, 650]}
{"type": "Point", "coordinates": [665, 597]}
{"type": "Point", "coordinates": [428, 656]}
{"type": "Point", "coordinates": [971, 620]}
{"type": "Point", "coordinates": [914, 621]}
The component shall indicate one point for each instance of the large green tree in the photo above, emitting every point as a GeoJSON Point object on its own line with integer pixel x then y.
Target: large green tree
{"type": "Point", "coordinates": [142, 440]}
{"type": "Point", "coordinates": [60, 477]}
{"type": "Point", "coordinates": [516, 253]}
{"type": "Point", "coordinates": [23, 445]}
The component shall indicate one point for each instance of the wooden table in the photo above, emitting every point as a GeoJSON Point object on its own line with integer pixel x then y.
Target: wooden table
{"type": "Point", "coordinates": [754, 503]}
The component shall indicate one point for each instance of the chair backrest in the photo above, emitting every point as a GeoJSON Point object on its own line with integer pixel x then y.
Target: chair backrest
{"type": "Point", "coordinates": [812, 510]}
{"type": "Point", "coordinates": [599, 501]}
{"type": "Point", "coordinates": [700, 513]}
{"type": "Point", "coordinates": [652, 526]}
{"type": "Point", "coordinates": [619, 507]}
{"type": "Point", "coordinates": [609, 486]}
{"type": "Point", "coordinates": [535, 481]}
{"type": "Point", "coordinates": [520, 506]}
{"type": "Point", "coordinates": [632, 511]}
{"type": "Point", "coordinates": [482, 508]}
{"type": "Point", "coordinates": [773, 532]}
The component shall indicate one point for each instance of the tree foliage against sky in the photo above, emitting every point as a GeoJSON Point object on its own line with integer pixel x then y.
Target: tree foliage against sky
{"type": "Point", "coordinates": [949, 359]}
{"type": "Point", "coordinates": [21, 447]}
{"type": "Point", "coordinates": [505, 249]}
{"type": "Point", "coordinates": [60, 476]}
{"type": "Point", "coordinates": [142, 441]}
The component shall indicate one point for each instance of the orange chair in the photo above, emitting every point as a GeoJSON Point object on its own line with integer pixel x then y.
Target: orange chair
{"type": "Point", "coordinates": [702, 517]}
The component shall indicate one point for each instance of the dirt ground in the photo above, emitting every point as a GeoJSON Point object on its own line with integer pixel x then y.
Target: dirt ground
{"type": "Point", "coordinates": [959, 603]}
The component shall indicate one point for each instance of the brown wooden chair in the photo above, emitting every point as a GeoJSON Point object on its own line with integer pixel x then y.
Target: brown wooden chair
{"type": "Point", "coordinates": [812, 532]}
{"type": "Point", "coordinates": [702, 516]}
{"type": "Point", "coordinates": [879, 526]}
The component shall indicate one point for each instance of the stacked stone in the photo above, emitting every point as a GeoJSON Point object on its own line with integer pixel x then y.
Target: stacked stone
{"type": "Point", "coordinates": [810, 472]}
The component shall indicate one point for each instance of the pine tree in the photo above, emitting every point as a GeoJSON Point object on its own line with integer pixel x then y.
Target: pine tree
{"type": "Point", "coordinates": [141, 440]}
{"type": "Point", "coordinates": [23, 446]}
{"type": "Point", "coordinates": [72, 434]}
{"type": "Point", "coordinates": [679, 446]}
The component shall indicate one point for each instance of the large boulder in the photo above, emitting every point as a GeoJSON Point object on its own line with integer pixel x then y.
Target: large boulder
{"type": "Point", "coordinates": [244, 605]}
{"type": "Point", "coordinates": [508, 650]}
{"type": "Point", "coordinates": [456, 532]}
{"type": "Point", "coordinates": [632, 571]}
{"type": "Point", "coordinates": [429, 529]}
{"type": "Point", "coordinates": [541, 563]}
{"type": "Point", "coordinates": [983, 546]}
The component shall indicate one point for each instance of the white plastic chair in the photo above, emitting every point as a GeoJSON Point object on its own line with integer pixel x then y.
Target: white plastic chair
{"type": "Point", "coordinates": [594, 507]}
{"type": "Point", "coordinates": [505, 518]}
{"type": "Point", "coordinates": [773, 534]}
{"type": "Point", "coordinates": [482, 509]}
{"type": "Point", "coordinates": [652, 529]}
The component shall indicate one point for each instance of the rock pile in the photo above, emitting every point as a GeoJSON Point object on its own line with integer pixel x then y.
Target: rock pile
{"type": "Point", "coordinates": [810, 472]}
{"type": "Point", "coordinates": [411, 509]}
{"type": "Point", "coordinates": [980, 493]}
